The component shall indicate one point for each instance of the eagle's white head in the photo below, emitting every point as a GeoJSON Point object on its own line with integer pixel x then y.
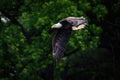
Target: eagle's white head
{"type": "Point", "coordinates": [58, 25]}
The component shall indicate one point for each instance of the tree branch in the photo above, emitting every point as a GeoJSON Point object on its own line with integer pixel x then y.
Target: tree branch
{"type": "Point", "coordinates": [14, 21]}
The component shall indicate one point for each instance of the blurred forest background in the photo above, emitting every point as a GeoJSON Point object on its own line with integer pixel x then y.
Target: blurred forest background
{"type": "Point", "coordinates": [25, 41]}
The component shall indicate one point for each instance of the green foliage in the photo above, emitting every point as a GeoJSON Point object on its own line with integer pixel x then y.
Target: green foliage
{"type": "Point", "coordinates": [22, 60]}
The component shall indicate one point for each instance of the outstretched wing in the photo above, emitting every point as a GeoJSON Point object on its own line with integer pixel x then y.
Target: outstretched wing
{"type": "Point", "coordinates": [59, 43]}
{"type": "Point", "coordinates": [76, 22]}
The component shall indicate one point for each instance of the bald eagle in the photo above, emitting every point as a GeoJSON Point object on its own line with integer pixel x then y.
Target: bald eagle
{"type": "Point", "coordinates": [64, 28]}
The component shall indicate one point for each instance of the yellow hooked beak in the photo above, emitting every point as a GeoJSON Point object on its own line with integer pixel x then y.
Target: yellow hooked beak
{"type": "Point", "coordinates": [52, 27]}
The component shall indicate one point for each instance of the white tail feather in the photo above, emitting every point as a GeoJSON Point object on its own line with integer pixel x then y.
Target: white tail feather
{"type": "Point", "coordinates": [79, 27]}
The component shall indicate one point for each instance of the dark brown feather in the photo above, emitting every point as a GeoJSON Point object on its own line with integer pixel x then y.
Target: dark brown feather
{"type": "Point", "coordinates": [59, 42]}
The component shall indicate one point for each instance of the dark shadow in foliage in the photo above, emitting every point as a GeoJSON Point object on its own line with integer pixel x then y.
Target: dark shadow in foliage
{"type": "Point", "coordinates": [90, 65]}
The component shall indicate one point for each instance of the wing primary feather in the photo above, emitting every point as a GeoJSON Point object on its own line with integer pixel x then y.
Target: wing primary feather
{"type": "Point", "coordinates": [76, 21]}
{"type": "Point", "coordinates": [59, 43]}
